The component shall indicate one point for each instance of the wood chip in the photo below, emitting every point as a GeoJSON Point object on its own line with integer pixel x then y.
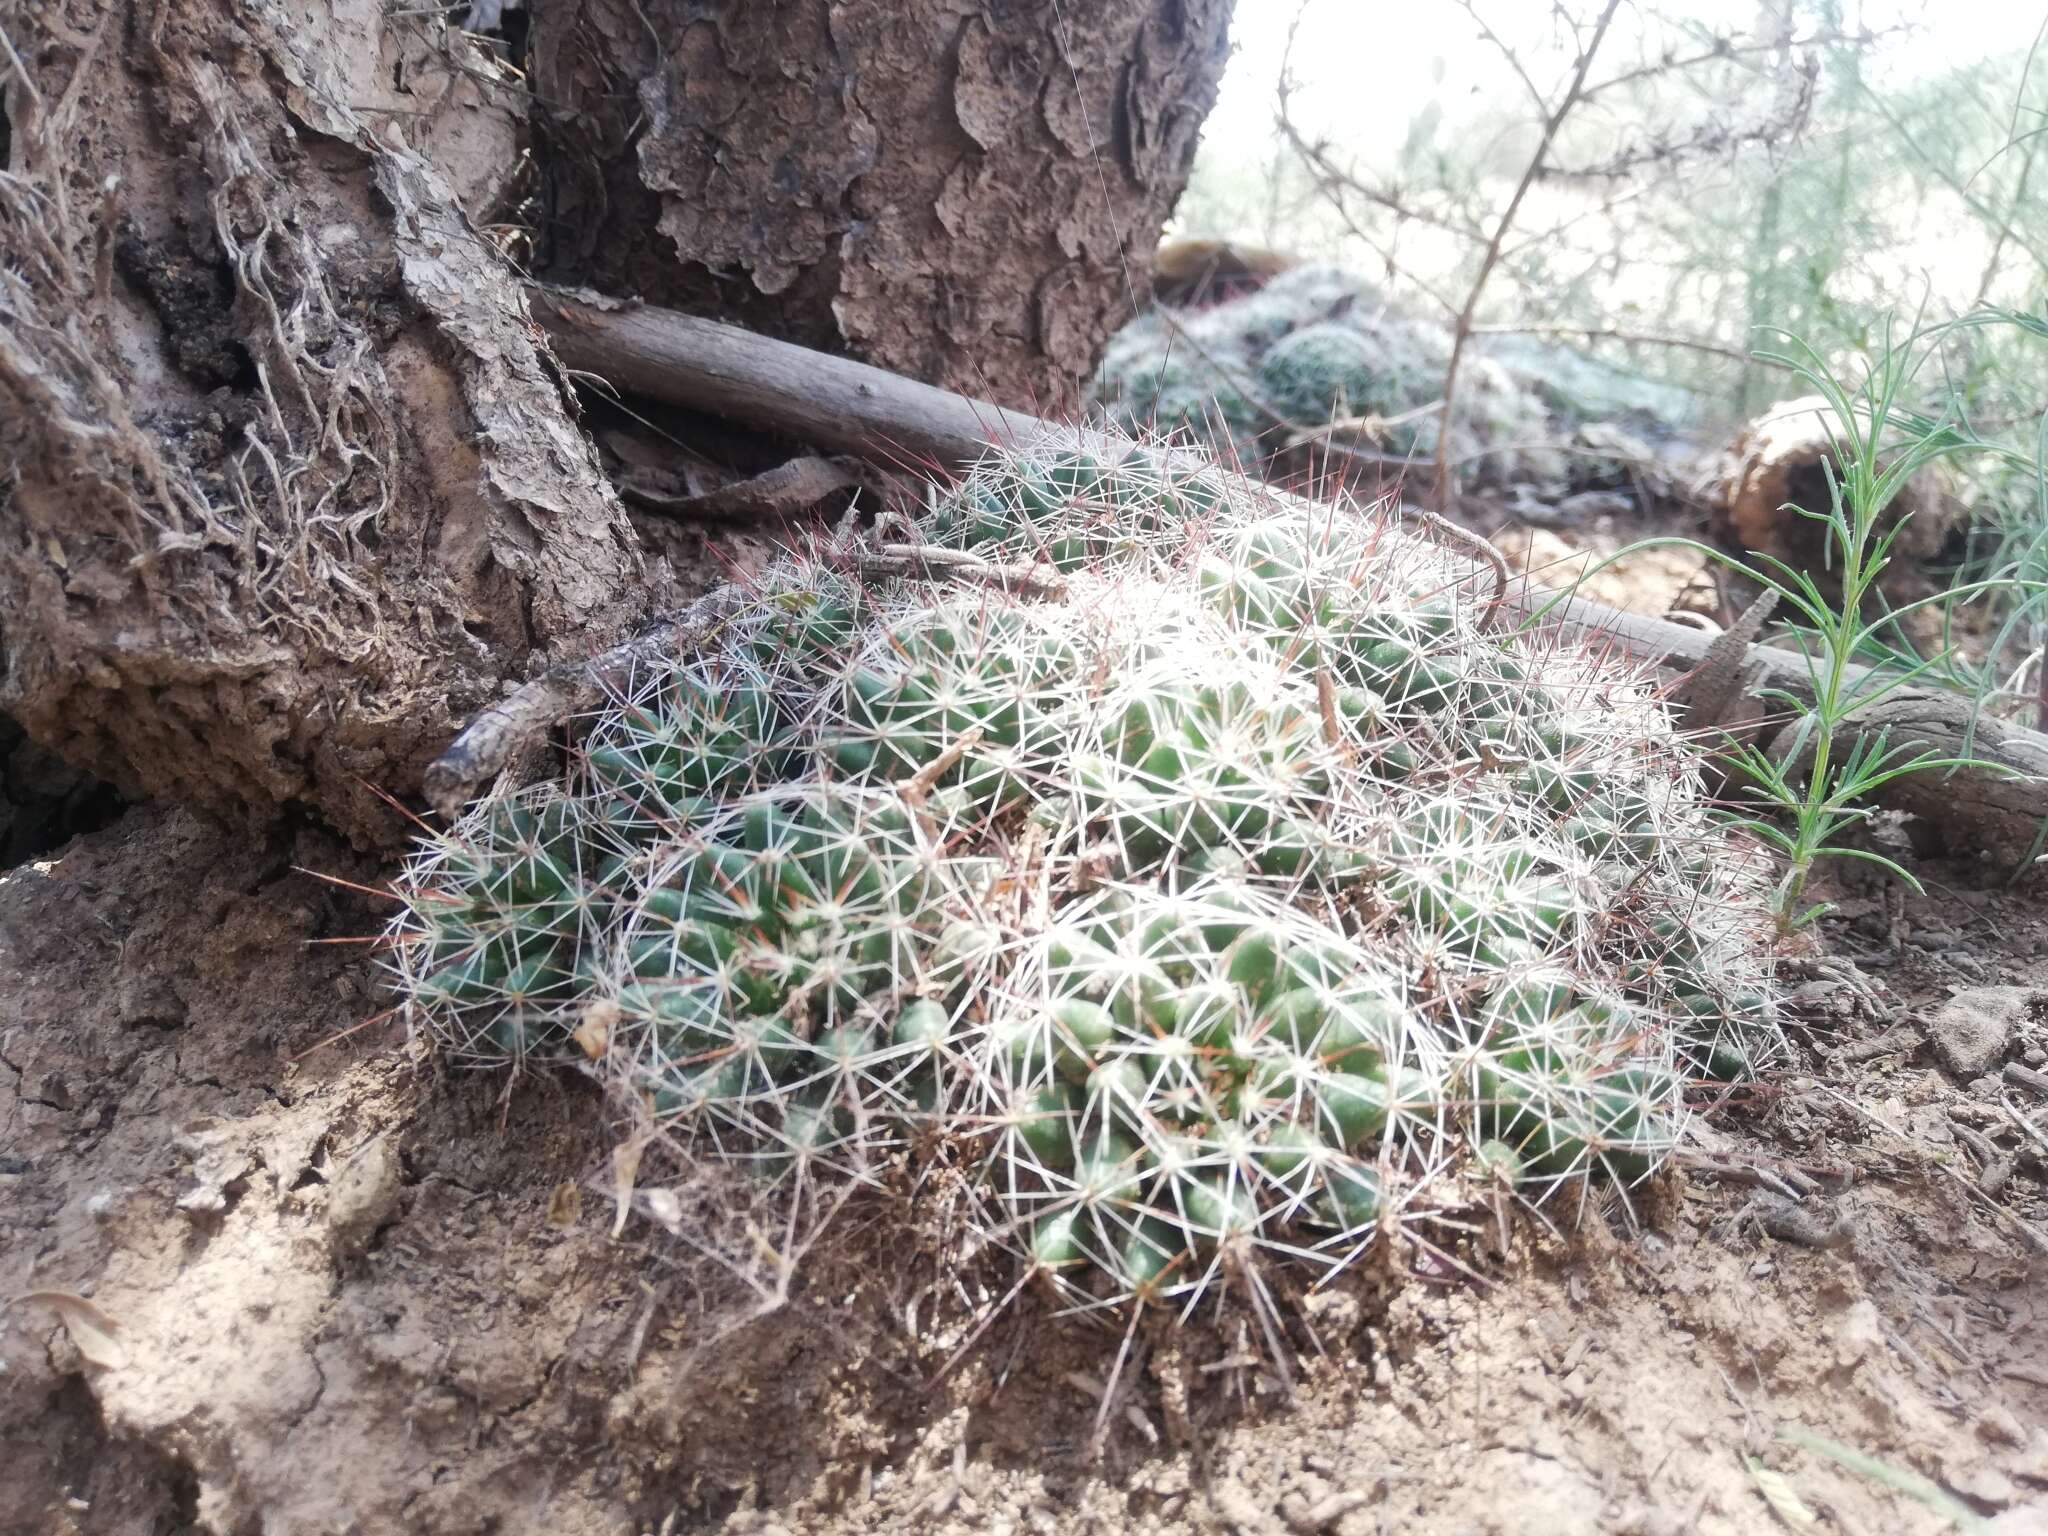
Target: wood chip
{"type": "Point", "coordinates": [1779, 1494]}
{"type": "Point", "coordinates": [625, 1174]}
{"type": "Point", "coordinates": [1328, 1510]}
{"type": "Point", "coordinates": [565, 1205]}
{"type": "Point", "coordinates": [91, 1326]}
{"type": "Point", "coordinates": [594, 1030]}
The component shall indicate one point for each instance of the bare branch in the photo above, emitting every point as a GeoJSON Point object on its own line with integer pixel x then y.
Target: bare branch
{"type": "Point", "coordinates": [1332, 180]}
{"type": "Point", "coordinates": [1600, 333]}
{"type": "Point", "coordinates": [1726, 50]}
{"type": "Point", "coordinates": [1514, 59]}
{"type": "Point", "coordinates": [1464, 327]}
{"type": "Point", "coordinates": [1709, 139]}
{"type": "Point", "coordinates": [2013, 209]}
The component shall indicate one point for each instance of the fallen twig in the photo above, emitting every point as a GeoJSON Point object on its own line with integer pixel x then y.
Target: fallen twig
{"type": "Point", "coordinates": [2026, 1077]}
{"type": "Point", "coordinates": [1033, 580]}
{"type": "Point", "coordinates": [787, 489]}
{"type": "Point", "coordinates": [1782, 1176]}
{"type": "Point", "coordinates": [498, 737]}
{"type": "Point", "coordinates": [1373, 427]}
{"type": "Point", "coordinates": [1903, 1038]}
{"type": "Point", "coordinates": [2026, 1127]}
{"type": "Point", "coordinates": [1793, 1221]}
{"type": "Point", "coordinates": [1995, 1168]}
{"type": "Point", "coordinates": [2021, 1229]}
{"type": "Point", "coordinates": [1635, 338]}
{"type": "Point", "coordinates": [503, 733]}
{"type": "Point", "coordinates": [916, 790]}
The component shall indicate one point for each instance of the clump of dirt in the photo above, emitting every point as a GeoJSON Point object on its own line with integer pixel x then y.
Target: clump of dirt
{"type": "Point", "coordinates": [352, 1292]}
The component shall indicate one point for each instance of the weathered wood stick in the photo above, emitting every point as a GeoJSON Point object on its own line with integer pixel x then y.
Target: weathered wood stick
{"type": "Point", "coordinates": [721, 370]}
{"type": "Point", "coordinates": [849, 407]}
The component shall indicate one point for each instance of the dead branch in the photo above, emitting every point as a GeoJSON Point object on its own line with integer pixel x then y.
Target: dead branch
{"type": "Point", "coordinates": [2026, 1077]}
{"type": "Point", "coordinates": [1331, 178]}
{"type": "Point", "coordinates": [1501, 46]}
{"type": "Point", "coordinates": [1598, 333]}
{"type": "Point", "coordinates": [1998, 811]}
{"type": "Point", "coordinates": [1990, 216]}
{"type": "Point", "coordinates": [1373, 428]}
{"type": "Point", "coordinates": [2013, 211]}
{"type": "Point", "coordinates": [728, 372]}
{"type": "Point", "coordinates": [502, 735]}
{"type": "Point", "coordinates": [1785, 123]}
{"type": "Point", "coordinates": [857, 409]}
{"type": "Point", "coordinates": [933, 560]}
{"type": "Point", "coordinates": [1725, 50]}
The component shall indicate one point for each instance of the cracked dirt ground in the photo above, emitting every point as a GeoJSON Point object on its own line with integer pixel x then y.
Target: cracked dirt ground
{"type": "Point", "coordinates": [348, 1294]}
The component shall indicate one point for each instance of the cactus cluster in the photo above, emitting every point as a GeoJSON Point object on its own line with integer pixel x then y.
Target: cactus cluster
{"type": "Point", "coordinates": [1226, 896]}
{"type": "Point", "coordinates": [1317, 344]}
{"type": "Point", "coordinates": [1327, 370]}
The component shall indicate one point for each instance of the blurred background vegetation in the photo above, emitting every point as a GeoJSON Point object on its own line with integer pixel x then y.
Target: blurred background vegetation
{"type": "Point", "coordinates": [1814, 165]}
{"type": "Point", "coordinates": [1666, 191]}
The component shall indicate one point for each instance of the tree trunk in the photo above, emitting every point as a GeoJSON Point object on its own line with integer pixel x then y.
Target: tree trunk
{"type": "Point", "coordinates": [291, 484]}
{"type": "Point", "coordinates": [967, 194]}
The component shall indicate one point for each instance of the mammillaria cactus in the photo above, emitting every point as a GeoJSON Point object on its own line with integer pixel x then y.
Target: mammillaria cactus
{"type": "Point", "coordinates": [1316, 344]}
{"type": "Point", "coordinates": [1204, 865]}
{"type": "Point", "coordinates": [1329, 370]}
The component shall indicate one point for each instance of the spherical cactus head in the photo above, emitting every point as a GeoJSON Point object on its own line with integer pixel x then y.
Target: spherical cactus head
{"type": "Point", "coordinates": [1328, 371]}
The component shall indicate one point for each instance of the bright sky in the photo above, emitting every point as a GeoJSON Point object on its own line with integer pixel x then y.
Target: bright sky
{"type": "Point", "coordinates": [1366, 69]}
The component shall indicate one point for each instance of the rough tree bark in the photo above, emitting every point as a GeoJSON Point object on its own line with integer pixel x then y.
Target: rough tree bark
{"type": "Point", "coordinates": [289, 483]}
{"type": "Point", "coordinates": [978, 195]}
